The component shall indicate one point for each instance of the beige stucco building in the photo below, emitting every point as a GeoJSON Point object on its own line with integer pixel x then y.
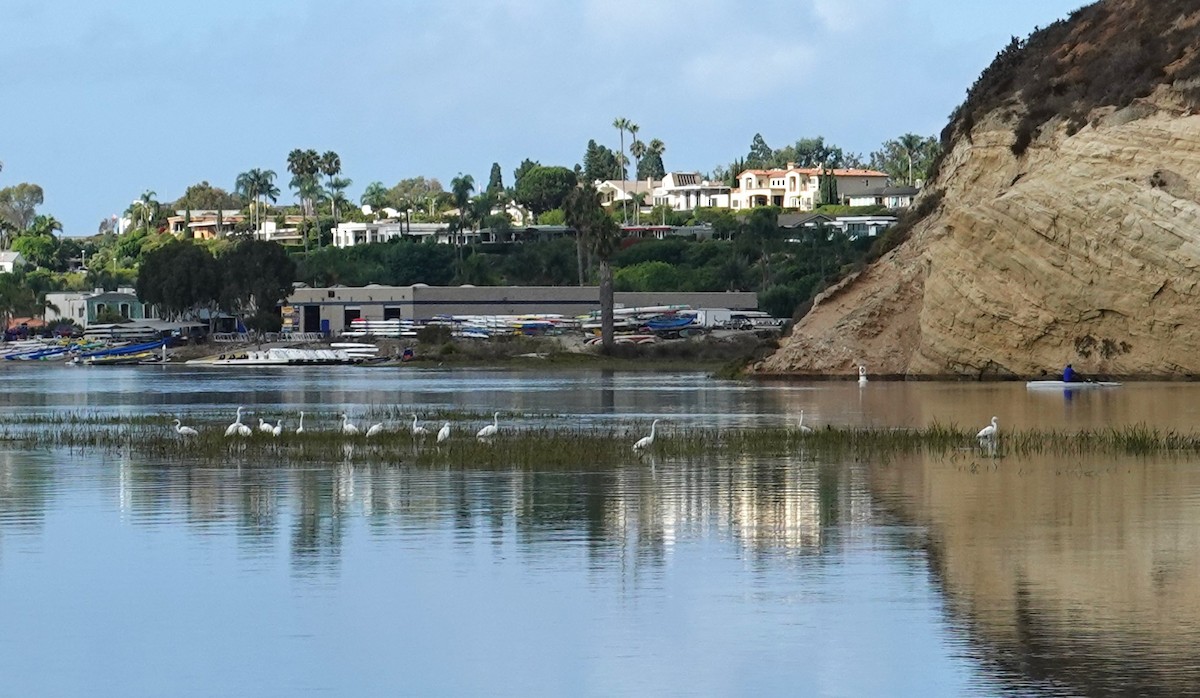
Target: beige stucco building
{"type": "Point", "coordinates": [799, 187]}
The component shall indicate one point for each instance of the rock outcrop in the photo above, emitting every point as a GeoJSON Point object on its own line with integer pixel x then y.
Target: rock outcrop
{"type": "Point", "coordinates": [1051, 237]}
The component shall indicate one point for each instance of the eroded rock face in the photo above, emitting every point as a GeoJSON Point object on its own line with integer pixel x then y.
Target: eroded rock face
{"type": "Point", "coordinates": [1083, 249]}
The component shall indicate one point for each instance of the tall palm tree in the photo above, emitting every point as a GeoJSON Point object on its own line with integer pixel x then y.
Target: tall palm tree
{"type": "Point", "coordinates": [461, 187]}
{"type": "Point", "coordinates": [331, 166]}
{"type": "Point", "coordinates": [911, 143]}
{"type": "Point", "coordinates": [246, 186]}
{"type": "Point", "coordinates": [304, 165]}
{"type": "Point", "coordinates": [637, 149]}
{"type": "Point", "coordinates": [622, 125]}
{"type": "Point", "coordinates": [265, 190]}
{"type": "Point", "coordinates": [144, 210]}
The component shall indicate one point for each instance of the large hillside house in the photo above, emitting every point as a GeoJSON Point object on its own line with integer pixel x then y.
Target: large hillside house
{"type": "Point", "coordinates": [685, 191]}
{"type": "Point", "coordinates": [799, 187]}
{"type": "Point", "coordinates": [888, 197]}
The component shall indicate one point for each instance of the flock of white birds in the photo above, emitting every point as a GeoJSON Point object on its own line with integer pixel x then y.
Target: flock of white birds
{"type": "Point", "coordinates": [987, 434]}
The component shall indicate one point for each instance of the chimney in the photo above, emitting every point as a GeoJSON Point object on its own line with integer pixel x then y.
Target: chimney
{"type": "Point", "coordinates": [791, 165]}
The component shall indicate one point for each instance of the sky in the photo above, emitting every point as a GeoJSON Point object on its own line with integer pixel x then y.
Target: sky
{"type": "Point", "coordinates": [100, 101]}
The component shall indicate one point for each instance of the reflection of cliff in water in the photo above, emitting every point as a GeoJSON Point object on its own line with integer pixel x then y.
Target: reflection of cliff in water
{"type": "Point", "coordinates": [1076, 577]}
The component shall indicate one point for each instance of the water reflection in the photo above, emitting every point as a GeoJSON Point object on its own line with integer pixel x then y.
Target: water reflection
{"type": "Point", "coordinates": [1077, 576]}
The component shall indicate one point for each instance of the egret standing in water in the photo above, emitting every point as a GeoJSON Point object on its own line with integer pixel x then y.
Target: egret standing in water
{"type": "Point", "coordinates": [803, 429]}
{"type": "Point", "coordinates": [184, 431]}
{"type": "Point", "coordinates": [375, 429]}
{"type": "Point", "coordinates": [237, 428]}
{"type": "Point", "coordinates": [278, 428]}
{"type": "Point", "coordinates": [862, 374]}
{"type": "Point", "coordinates": [989, 432]}
{"type": "Point", "coordinates": [347, 428]}
{"type": "Point", "coordinates": [491, 429]}
{"type": "Point", "coordinates": [444, 432]}
{"type": "Point", "coordinates": [265, 426]}
{"type": "Point", "coordinates": [300, 429]}
{"type": "Point", "coordinates": [418, 432]}
{"type": "Point", "coordinates": [646, 441]}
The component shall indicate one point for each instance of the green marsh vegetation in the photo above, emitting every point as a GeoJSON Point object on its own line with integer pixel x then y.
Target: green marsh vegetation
{"type": "Point", "coordinates": [542, 441]}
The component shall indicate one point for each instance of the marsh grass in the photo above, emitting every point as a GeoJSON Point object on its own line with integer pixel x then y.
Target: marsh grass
{"type": "Point", "coordinates": [530, 445]}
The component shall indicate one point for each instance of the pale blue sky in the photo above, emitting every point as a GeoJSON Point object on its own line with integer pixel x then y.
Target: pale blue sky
{"type": "Point", "coordinates": [102, 100]}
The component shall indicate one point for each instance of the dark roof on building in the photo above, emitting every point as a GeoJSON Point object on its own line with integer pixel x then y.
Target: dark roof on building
{"type": "Point", "coordinates": [890, 191]}
{"type": "Point", "coordinates": [797, 220]}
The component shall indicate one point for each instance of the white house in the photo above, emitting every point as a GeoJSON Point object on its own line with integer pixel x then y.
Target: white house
{"type": "Point", "coordinates": [351, 234]}
{"type": "Point", "coordinates": [799, 187]}
{"type": "Point", "coordinates": [11, 261]}
{"type": "Point", "coordinates": [686, 191]}
{"type": "Point", "coordinates": [615, 191]}
{"type": "Point", "coordinates": [889, 197]}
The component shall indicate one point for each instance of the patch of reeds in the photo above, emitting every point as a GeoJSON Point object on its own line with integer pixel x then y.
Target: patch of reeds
{"type": "Point", "coordinates": [551, 446]}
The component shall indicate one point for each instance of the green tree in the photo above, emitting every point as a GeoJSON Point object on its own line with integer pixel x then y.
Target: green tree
{"type": "Point", "coordinates": [415, 189]}
{"type": "Point", "coordinates": [591, 223]}
{"type": "Point", "coordinates": [258, 276]}
{"type": "Point", "coordinates": [304, 166]}
{"type": "Point", "coordinates": [376, 196]}
{"type": "Point", "coordinates": [331, 166]}
{"type": "Point", "coordinates": [544, 188]}
{"type": "Point", "coordinates": [462, 186]}
{"type": "Point", "coordinates": [827, 189]}
{"type": "Point", "coordinates": [760, 156]}
{"type": "Point", "coordinates": [203, 195]}
{"type": "Point", "coordinates": [180, 278]}
{"type": "Point", "coordinates": [144, 211]}
{"type": "Point", "coordinates": [651, 167]}
{"type": "Point", "coordinates": [907, 158]}
{"type": "Point", "coordinates": [18, 205]}
{"type": "Point", "coordinates": [495, 180]}
{"type": "Point", "coordinates": [525, 166]}
{"type": "Point", "coordinates": [599, 162]}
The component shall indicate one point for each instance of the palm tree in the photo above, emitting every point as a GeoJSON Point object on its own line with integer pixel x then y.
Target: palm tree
{"type": "Point", "coordinates": [304, 165]}
{"type": "Point", "coordinates": [144, 210]}
{"type": "Point", "coordinates": [585, 214]}
{"type": "Point", "coordinates": [622, 125]}
{"type": "Point", "coordinates": [246, 186]}
{"type": "Point", "coordinates": [376, 196]}
{"type": "Point", "coordinates": [331, 166]}
{"type": "Point", "coordinates": [911, 143]}
{"type": "Point", "coordinates": [337, 193]}
{"type": "Point", "coordinates": [637, 149]}
{"type": "Point", "coordinates": [461, 187]}
{"type": "Point", "coordinates": [266, 190]}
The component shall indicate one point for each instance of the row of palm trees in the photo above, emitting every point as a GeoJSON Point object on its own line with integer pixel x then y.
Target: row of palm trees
{"type": "Point", "coordinates": [638, 150]}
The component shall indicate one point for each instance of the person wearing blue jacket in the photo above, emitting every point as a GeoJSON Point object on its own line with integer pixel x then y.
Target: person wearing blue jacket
{"type": "Point", "coordinates": [1069, 374]}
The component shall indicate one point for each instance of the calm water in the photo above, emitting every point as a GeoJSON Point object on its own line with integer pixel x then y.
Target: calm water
{"type": "Point", "coordinates": [954, 576]}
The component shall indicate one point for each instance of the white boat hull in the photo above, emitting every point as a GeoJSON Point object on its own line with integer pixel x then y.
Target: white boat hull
{"type": "Point", "coordinates": [1073, 385]}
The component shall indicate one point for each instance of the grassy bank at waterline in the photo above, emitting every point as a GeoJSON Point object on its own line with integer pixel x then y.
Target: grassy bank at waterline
{"type": "Point", "coordinates": [522, 442]}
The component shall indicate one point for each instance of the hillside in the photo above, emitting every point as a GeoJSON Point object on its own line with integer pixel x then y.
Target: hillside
{"type": "Point", "coordinates": [1062, 225]}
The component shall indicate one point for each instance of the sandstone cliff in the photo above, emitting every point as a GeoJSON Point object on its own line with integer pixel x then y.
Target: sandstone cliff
{"type": "Point", "coordinates": [1063, 224]}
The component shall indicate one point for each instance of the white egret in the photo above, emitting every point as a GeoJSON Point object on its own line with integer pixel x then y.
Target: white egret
{"type": "Point", "coordinates": [347, 428]}
{"type": "Point", "coordinates": [237, 428]}
{"type": "Point", "coordinates": [300, 429]}
{"type": "Point", "coordinates": [184, 431]}
{"type": "Point", "coordinates": [491, 429]}
{"type": "Point", "coordinates": [265, 427]}
{"type": "Point", "coordinates": [418, 432]}
{"type": "Point", "coordinates": [862, 374]}
{"type": "Point", "coordinates": [444, 432]}
{"type": "Point", "coordinates": [803, 429]}
{"type": "Point", "coordinates": [646, 441]}
{"type": "Point", "coordinates": [277, 429]}
{"type": "Point", "coordinates": [990, 431]}
{"type": "Point", "coordinates": [375, 429]}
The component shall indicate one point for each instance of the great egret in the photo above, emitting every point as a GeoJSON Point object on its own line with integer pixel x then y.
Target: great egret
{"type": "Point", "coordinates": [375, 429]}
{"type": "Point", "coordinates": [418, 432]}
{"type": "Point", "coordinates": [862, 374]}
{"type": "Point", "coordinates": [990, 431]}
{"type": "Point", "coordinates": [265, 427]}
{"type": "Point", "coordinates": [646, 441]}
{"type": "Point", "coordinates": [444, 432]}
{"type": "Point", "coordinates": [300, 429]}
{"type": "Point", "coordinates": [804, 429]}
{"type": "Point", "coordinates": [491, 429]}
{"type": "Point", "coordinates": [237, 428]}
{"type": "Point", "coordinates": [277, 429]}
{"type": "Point", "coordinates": [184, 431]}
{"type": "Point", "coordinates": [347, 428]}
